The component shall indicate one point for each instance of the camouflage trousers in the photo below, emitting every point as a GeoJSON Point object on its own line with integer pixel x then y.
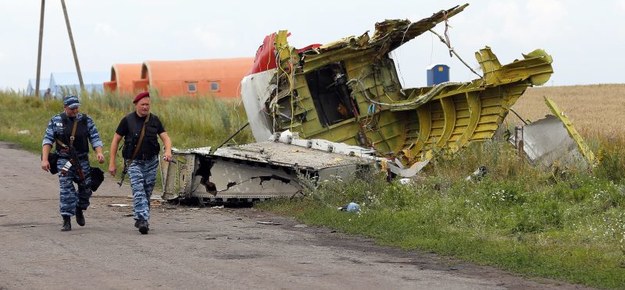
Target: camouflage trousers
{"type": "Point", "coordinates": [142, 179]}
{"type": "Point", "coordinates": [70, 197]}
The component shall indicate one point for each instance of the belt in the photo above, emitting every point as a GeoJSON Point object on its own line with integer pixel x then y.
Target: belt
{"type": "Point", "coordinates": [66, 155]}
{"type": "Point", "coordinates": [144, 157]}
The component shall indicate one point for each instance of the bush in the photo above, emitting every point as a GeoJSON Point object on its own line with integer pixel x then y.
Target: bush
{"type": "Point", "coordinates": [611, 164]}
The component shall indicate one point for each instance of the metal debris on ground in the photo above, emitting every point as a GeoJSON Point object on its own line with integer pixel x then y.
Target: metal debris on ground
{"type": "Point", "coordinates": [351, 207]}
{"type": "Point", "coordinates": [268, 223]}
{"type": "Point", "coordinates": [118, 205]}
{"type": "Point", "coordinates": [478, 174]}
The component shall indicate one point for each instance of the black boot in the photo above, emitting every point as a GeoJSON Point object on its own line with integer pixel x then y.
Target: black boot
{"type": "Point", "coordinates": [143, 227]}
{"type": "Point", "coordinates": [80, 217]}
{"type": "Point", "coordinates": [67, 223]}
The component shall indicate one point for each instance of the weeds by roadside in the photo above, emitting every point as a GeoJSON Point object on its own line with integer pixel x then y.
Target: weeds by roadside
{"type": "Point", "coordinates": [568, 225]}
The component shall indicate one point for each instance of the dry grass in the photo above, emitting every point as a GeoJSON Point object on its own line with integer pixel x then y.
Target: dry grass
{"type": "Point", "coordinates": [595, 110]}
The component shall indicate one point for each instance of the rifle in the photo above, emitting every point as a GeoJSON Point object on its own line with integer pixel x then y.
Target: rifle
{"type": "Point", "coordinates": [73, 158]}
{"type": "Point", "coordinates": [76, 162]}
{"type": "Point", "coordinates": [124, 172]}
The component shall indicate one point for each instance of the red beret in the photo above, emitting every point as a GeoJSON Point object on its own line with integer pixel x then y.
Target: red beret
{"type": "Point", "coordinates": [141, 96]}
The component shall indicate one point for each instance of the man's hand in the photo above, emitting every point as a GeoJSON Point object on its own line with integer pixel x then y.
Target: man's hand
{"type": "Point", "coordinates": [45, 165]}
{"type": "Point", "coordinates": [112, 169]}
{"type": "Point", "coordinates": [100, 158]}
{"type": "Point", "coordinates": [45, 152]}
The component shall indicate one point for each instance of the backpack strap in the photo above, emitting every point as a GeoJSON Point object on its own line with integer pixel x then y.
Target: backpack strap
{"type": "Point", "coordinates": [65, 120]}
{"type": "Point", "coordinates": [140, 141]}
{"type": "Point", "coordinates": [71, 138]}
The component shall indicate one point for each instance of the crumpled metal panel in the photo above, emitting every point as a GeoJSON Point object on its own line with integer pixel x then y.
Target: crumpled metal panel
{"type": "Point", "coordinates": [261, 170]}
{"type": "Point", "coordinates": [276, 153]}
{"type": "Point", "coordinates": [568, 125]}
{"type": "Point", "coordinates": [178, 177]}
{"type": "Point", "coordinates": [242, 179]}
{"type": "Point", "coordinates": [547, 142]}
{"type": "Point", "coordinates": [392, 33]}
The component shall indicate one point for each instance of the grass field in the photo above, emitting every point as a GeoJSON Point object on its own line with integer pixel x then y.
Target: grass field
{"type": "Point", "coordinates": [561, 223]}
{"type": "Point", "coordinates": [596, 110]}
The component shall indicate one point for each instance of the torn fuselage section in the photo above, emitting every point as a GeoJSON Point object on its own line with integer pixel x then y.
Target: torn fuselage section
{"type": "Point", "coordinates": [348, 91]}
{"type": "Point", "coordinates": [258, 171]}
{"type": "Point", "coordinates": [331, 94]}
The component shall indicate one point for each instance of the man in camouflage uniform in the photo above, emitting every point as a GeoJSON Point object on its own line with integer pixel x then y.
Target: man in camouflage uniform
{"type": "Point", "coordinates": [58, 133]}
{"type": "Point", "coordinates": [141, 159]}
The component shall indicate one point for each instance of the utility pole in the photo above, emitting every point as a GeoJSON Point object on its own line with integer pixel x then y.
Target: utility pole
{"type": "Point", "coordinates": [43, 5]}
{"type": "Point", "coordinates": [71, 40]}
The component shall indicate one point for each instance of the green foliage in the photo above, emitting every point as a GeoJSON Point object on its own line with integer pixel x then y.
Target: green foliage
{"type": "Point", "coordinates": [559, 223]}
{"type": "Point", "coordinates": [612, 163]}
{"type": "Point", "coordinates": [190, 122]}
{"type": "Point", "coordinates": [499, 158]}
{"type": "Point", "coordinates": [199, 118]}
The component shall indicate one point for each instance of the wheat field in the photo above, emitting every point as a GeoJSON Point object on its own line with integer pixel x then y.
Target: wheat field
{"type": "Point", "coordinates": [595, 110]}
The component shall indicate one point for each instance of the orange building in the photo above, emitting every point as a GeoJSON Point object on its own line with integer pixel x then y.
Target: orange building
{"type": "Point", "coordinates": [202, 77]}
{"type": "Point", "coordinates": [122, 77]}
{"type": "Point", "coordinates": [199, 77]}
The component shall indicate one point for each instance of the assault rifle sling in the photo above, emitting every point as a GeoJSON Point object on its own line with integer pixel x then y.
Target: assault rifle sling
{"type": "Point", "coordinates": [135, 152]}
{"type": "Point", "coordinates": [73, 155]}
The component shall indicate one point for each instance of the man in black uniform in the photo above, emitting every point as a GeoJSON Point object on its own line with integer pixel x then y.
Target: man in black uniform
{"type": "Point", "coordinates": [141, 148]}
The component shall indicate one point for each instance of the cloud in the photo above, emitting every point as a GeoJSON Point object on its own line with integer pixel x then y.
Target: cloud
{"type": "Point", "coordinates": [526, 21]}
{"type": "Point", "coordinates": [106, 30]}
{"type": "Point", "coordinates": [212, 39]}
{"type": "Point", "coordinates": [619, 28]}
{"type": "Point", "coordinates": [546, 16]}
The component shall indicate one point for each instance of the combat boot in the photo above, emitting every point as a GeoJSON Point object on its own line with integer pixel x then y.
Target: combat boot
{"type": "Point", "coordinates": [67, 223]}
{"type": "Point", "coordinates": [80, 217]}
{"type": "Point", "coordinates": [143, 227]}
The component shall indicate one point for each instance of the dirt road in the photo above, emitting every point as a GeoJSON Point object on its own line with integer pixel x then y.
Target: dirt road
{"type": "Point", "coordinates": [199, 248]}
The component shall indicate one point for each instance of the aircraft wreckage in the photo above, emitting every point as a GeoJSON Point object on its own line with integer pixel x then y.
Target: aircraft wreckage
{"type": "Point", "coordinates": [331, 109]}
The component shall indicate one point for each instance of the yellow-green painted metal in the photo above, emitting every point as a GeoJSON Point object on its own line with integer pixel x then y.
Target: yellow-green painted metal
{"type": "Point", "coordinates": [581, 144]}
{"type": "Point", "coordinates": [403, 123]}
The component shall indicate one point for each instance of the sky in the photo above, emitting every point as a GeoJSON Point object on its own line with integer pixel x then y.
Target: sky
{"type": "Point", "coordinates": [586, 39]}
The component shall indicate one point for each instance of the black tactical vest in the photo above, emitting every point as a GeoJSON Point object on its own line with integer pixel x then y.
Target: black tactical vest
{"type": "Point", "coordinates": [149, 147]}
{"type": "Point", "coordinates": [81, 138]}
